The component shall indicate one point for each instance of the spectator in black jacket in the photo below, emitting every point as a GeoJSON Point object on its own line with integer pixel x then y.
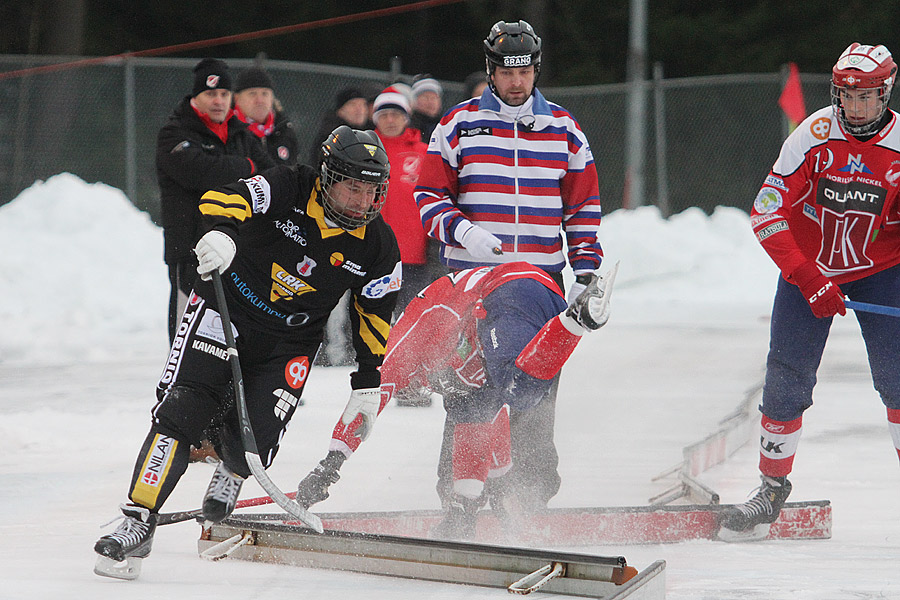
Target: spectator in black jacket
{"type": "Point", "coordinates": [256, 105]}
{"type": "Point", "coordinates": [351, 107]}
{"type": "Point", "coordinates": [202, 146]}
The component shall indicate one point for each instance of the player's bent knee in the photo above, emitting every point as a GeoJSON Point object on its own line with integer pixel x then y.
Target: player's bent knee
{"type": "Point", "coordinates": [185, 413]}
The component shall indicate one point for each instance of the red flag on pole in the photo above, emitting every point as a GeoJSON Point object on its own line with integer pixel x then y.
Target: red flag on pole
{"type": "Point", "coordinates": [791, 99]}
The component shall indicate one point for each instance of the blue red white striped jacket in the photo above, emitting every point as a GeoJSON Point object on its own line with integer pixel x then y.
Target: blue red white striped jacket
{"type": "Point", "coordinates": [520, 176]}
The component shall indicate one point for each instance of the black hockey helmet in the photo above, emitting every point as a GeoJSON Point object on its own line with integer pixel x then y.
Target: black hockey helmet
{"type": "Point", "coordinates": [512, 45]}
{"type": "Point", "coordinates": [352, 154]}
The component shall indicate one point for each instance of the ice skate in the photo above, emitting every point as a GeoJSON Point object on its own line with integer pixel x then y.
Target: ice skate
{"type": "Point", "coordinates": [459, 521]}
{"type": "Point", "coordinates": [751, 520]}
{"type": "Point", "coordinates": [122, 551]}
{"type": "Point", "coordinates": [591, 308]}
{"type": "Point", "coordinates": [222, 494]}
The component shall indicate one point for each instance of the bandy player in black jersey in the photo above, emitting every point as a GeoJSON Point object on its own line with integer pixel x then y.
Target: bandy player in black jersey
{"type": "Point", "coordinates": [288, 244]}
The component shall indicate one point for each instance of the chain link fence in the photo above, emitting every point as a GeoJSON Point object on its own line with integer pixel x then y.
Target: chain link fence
{"type": "Point", "coordinates": [708, 141]}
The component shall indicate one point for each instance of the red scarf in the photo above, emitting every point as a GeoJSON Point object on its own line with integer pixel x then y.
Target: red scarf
{"type": "Point", "coordinates": [260, 130]}
{"type": "Point", "coordinates": [220, 129]}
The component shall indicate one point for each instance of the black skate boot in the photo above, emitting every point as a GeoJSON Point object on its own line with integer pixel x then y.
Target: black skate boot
{"type": "Point", "coordinates": [121, 552]}
{"type": "Point", "coordinates": [751, 520]}
{"type": "Point", "coordinates": [222, 494]}
{"type": "Point", "coordinates": [459, 521]}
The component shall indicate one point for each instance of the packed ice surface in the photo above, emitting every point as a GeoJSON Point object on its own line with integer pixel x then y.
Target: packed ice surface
{"type": "Point", "coordinates": [83, 294]}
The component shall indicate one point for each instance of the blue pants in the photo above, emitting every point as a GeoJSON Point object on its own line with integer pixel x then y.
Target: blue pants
{"type": "Point", "coordinates": [798, 338]}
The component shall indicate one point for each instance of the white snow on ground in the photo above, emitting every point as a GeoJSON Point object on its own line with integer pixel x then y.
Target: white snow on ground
{"type": "Point", "coordinates": [82, 304]}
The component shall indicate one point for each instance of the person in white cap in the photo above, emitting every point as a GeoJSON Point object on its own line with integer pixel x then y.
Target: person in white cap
{"type": "Point", "coordinates": [427, 96]}
{"type": "Point", "coordinates": [406, 152]}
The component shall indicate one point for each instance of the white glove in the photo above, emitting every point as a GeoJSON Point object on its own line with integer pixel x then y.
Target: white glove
{"type": "Point", "coordinates": [215, 250]}
{"type": "Point", "coordinates": [363, 402]}
{"type": "Point", "coordinates": [478, 241]}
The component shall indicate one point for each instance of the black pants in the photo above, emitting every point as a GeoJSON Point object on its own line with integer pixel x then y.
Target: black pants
{"type": "Point", "coordinates": [195, 390]}
{"type": "Point", "coordinates": [181, 281]}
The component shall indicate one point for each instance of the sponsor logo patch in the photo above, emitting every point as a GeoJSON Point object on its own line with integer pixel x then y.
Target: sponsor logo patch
{"type": "Point", "coordinates": [820, 128]}
{"type": "Point", "coordinates": [260, 193]}
{"type": "Point", "coordinates": [771, 229]}
{"type": "Point", "coordinates": [291, 231]}
{"type": "Point", "coordinates": [211, 328]}
{"type": "Point", "coordinates": [473, 131]}
{"type": "Point", "coordinates": [767, 201]}
{"type": "Point", "coordinates": [378, 288]}
{"type": "Point", "coordinates": [285, 403]}
{"type": "Point", "coordinates": [285, 285]}
{"type": "Point", "coordinates": [157, 461]}
{"type": "Point", "coordinates": [295, 372]}
{"type": "Point", "coordinates": [523, 60]}
{"type": "Point", "coordinates": [810, 212]}
{"type": "Point", "coordinates": [776, 182]}
{"type": "Point", "coordinates": [855, 165]}
{"type": "Point", "coordinates": [337, 260]}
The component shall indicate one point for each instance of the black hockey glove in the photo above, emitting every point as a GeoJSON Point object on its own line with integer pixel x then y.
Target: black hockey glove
{"type": "Point", "coordinates": [314, 487]}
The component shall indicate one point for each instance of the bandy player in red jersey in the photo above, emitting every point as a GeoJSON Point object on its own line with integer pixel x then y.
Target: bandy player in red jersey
{"type": "Point", "coordinates": [490, 340]}
{"type": "Point", "coordinates": [828, 215]}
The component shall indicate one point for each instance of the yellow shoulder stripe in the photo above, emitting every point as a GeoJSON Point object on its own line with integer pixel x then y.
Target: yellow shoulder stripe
{"type": "Point", "coordinates": [217, 204]}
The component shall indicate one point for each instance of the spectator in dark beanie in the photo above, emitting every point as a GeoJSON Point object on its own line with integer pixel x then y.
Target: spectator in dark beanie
{"type": "Point", "coordinates": [202, 146]}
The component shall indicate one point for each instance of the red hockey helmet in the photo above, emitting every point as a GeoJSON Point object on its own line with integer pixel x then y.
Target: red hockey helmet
{"type": "Point", "coordinates": [863, 67]}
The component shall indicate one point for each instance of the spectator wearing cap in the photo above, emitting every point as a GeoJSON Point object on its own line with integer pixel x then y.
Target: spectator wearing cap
{"type": "Point", "coordinates": [202, 146]}
{"type": "Point", "coordinates": [350, 108]}
{"type": "Point", "coordinates": [427, 95]}
{"type": "Point", "coordinates": [406, 152]}
{"type": "Point", "coordinates": [256, 105]}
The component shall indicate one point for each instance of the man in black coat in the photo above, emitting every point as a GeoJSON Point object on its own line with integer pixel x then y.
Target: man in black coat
{"type": "Point", "coordinates": [256, 105]}
{"type": "Point", "coordinates": [202, 146]}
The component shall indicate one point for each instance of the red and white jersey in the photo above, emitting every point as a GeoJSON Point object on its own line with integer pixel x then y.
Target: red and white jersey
{"type": "Point", "coordinates": [438, 328]}
{"type": "Point", "coordinates": [832, 199]}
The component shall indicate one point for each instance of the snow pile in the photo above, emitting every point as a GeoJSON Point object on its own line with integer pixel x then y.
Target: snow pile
{"type": "Point", "coordinates": [82, 273]}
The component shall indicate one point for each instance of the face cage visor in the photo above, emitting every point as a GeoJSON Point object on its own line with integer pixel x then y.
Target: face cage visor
{"type": "Point", "coordinates": [339, 214]}
{"type": "Point", "coordinates": [883, 95]}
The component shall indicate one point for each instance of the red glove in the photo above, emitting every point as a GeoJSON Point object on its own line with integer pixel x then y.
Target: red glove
{"type": "Point", "coordinates": [824, 296]}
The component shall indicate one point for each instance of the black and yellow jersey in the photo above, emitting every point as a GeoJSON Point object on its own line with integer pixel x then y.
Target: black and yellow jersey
{"type": "Point", "coordinates": [292, 268]}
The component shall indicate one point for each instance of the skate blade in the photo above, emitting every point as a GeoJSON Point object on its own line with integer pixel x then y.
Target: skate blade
{"type": "Point", "coordinates": [756, 533]}
{"type": "Point", "coordinates": [129, 569]}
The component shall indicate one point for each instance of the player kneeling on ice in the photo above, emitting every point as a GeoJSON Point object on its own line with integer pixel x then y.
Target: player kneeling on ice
{"type": "Point", "coordinates": [288, 244]}
{"type": "Point", "coordinates": [490, 340]}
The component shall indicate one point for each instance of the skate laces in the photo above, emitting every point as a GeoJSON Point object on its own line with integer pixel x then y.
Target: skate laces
{"type": "Point", "coordinates": [224, 487]}
{"type": "Point", "coordinates": [132, 529]}
{"type": "Point", "coordinates": [761, 502]}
